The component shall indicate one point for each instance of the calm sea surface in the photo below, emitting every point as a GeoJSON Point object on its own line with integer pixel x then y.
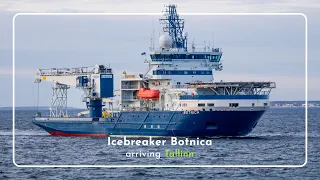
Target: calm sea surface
{"type": "Point", "coordinates": [278, 139]}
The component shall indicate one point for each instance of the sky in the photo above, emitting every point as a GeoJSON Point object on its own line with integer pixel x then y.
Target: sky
{"type": "Point", "coordinates": [255, 48]}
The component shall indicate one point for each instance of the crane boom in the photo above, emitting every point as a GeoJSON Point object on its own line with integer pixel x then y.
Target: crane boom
{"type": "Point", "coordinates": [95, 82]}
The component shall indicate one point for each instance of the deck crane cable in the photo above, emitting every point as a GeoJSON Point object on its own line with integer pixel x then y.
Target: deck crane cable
{"type": "Point", "coordinates": [38, 95]}
{"type": "Point", "coordinates": [34, 101]}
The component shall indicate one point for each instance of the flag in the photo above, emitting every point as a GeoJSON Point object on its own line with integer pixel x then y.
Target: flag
{"type": "Point", "coordinates": [143, 53]}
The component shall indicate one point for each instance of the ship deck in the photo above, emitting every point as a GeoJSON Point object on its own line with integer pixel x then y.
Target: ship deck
{"type": "Point", "coordinates": [233, 84]}
{"type": "Point", "coordinates": [234, 88]}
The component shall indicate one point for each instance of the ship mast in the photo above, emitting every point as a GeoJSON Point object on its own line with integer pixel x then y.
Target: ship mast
{"type": "Point", "coordinates": [174, 26]}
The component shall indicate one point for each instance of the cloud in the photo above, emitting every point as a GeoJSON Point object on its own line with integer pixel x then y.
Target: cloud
{"type": "Point", "coordinates": [21, 72]}
{"type": "Point", "coordinates": [287, 87]}
{"type": "Point", "coordinates": [156, 6]}
{"type": "Point", "coordinates": [294, 82]}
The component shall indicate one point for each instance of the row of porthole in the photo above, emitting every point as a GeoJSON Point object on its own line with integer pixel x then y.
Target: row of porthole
{"type": "Point", "coordinates": [112, 119]}
{"type": "Point", "coordinates": [251, 109]}
{"type": "Point", "coordinates": [151, 126]}
{"type": "Point", "coordinates": [153, 116]}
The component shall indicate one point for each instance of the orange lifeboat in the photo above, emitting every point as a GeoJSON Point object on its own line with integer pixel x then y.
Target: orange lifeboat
{"type": "Point", "coordinates": [146, 93]}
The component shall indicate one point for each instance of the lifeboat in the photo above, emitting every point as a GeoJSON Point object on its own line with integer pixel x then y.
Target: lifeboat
{"type": "Point", "coordinates": [146, 93]}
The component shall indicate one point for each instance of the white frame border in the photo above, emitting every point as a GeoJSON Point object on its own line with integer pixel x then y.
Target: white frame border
{"type": "Point", "coordinates": [154, 14]}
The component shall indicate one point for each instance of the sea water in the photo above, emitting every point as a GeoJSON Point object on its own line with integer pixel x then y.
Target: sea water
{"type": "Point", "coordinates": [278, 139]}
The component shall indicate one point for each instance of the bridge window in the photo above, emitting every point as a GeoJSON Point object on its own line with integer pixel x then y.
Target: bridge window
{"type": "Point", "coordinates": [210, 104]}
{"type": "Point", "coordinates": [215, 58]}
{"type": "Point", "coordinates": [233, 104]}
{"type": "Point", "coordinates": [252, 104]}
{"type": "Point", "coordinates": [177, 72]}
{"type": "Point", "coordinates": [169, 57]}
{"type": "Point", "coordinates": [201, 105]}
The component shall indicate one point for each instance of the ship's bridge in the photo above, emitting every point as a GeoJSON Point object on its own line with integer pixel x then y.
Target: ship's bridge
{"type": "Point", "coordinates": [211, 56]}
{"type": "Point", "coordinates": [185, 66]}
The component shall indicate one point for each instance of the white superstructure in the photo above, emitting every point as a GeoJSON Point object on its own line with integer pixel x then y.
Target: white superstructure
{"type": "Point", "coordinates": [184, 77]}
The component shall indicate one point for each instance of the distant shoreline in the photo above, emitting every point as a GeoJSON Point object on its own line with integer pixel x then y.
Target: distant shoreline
{"type": "Point", "coordinates": [274, 104]}
{"type": "Point", "coordinates": [35, 108]}
{"type": "Point", "coordinates": [283, 107]}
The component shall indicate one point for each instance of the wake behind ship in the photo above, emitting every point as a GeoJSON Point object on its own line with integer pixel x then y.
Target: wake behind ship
{"type": "Point", "coordinates": [177, 96]}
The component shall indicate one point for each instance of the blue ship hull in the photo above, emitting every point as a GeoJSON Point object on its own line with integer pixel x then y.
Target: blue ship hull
{"type": "Point", "coordinates": [157, 123]}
